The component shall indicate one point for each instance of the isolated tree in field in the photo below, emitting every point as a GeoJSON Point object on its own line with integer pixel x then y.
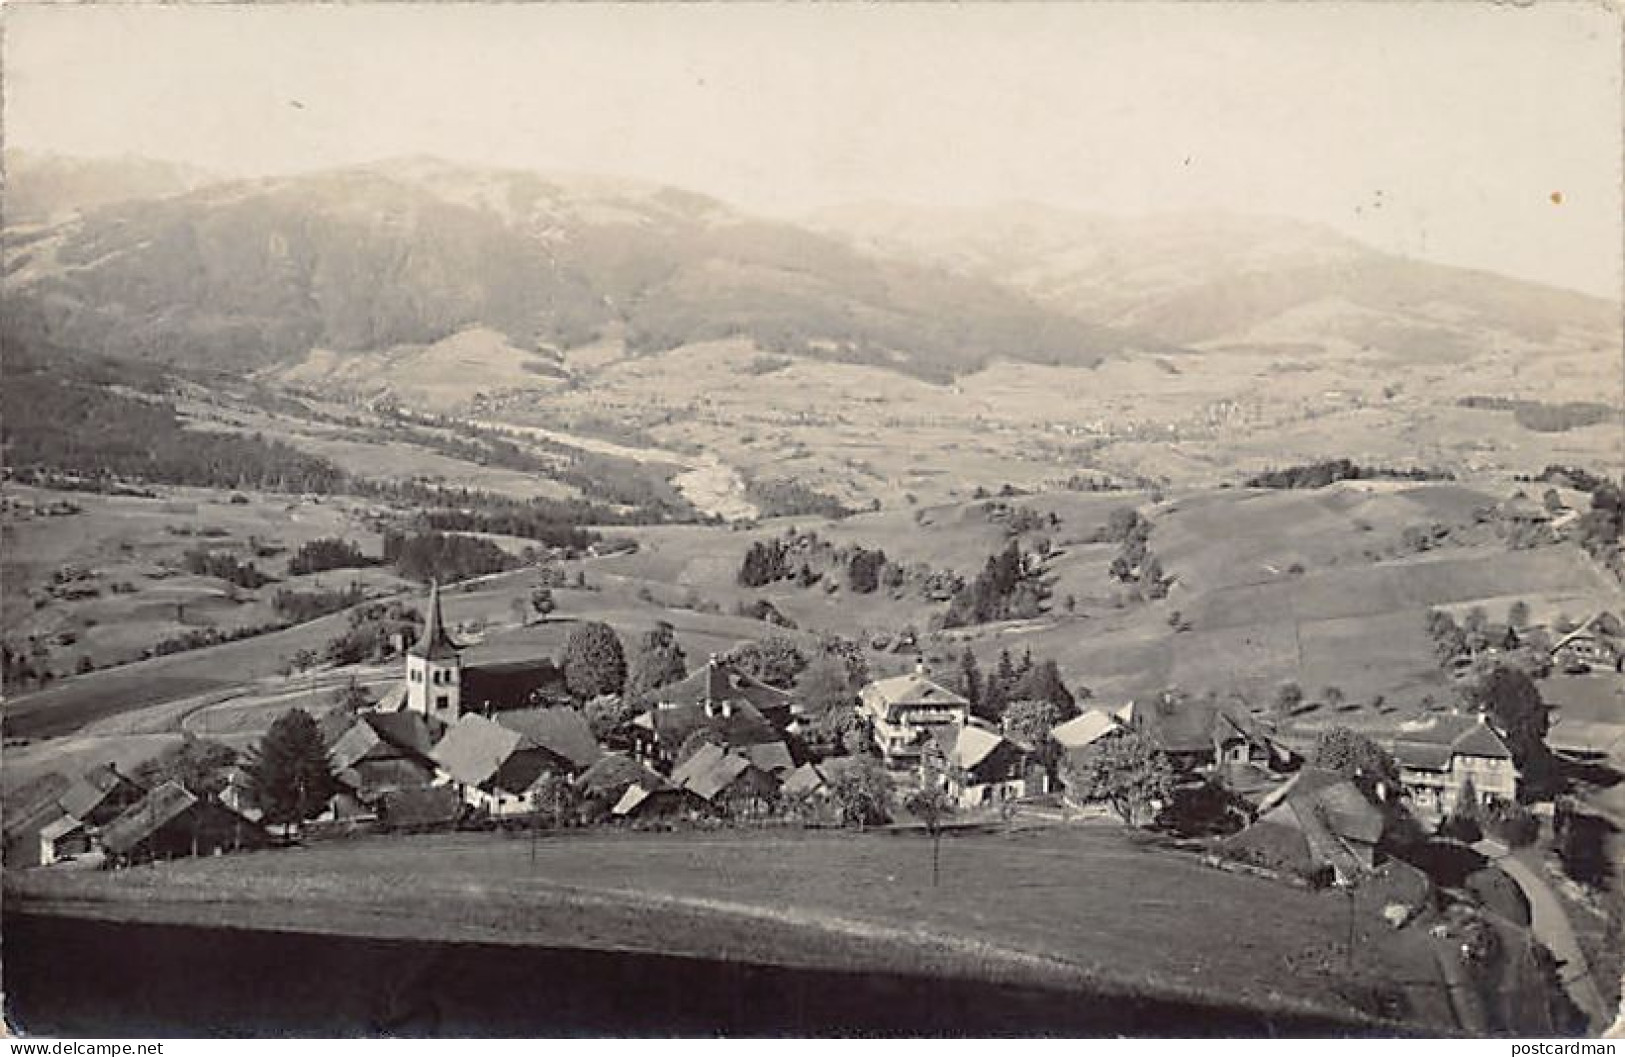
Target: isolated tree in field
{"type": "Point", "coordinates": [1518, 614]}
{"type": "Point", "coordinates": [1359, 759]}
{"type": "Point", "coordinates": [1127, 771]}
{"type": "Point", "coordinates": [932, 805]}
{"type": "Point", "coordinates": [1333, 696]}
{"type": "Point", "coordinates": [289, 772]}
{"type": "Point", "coordinates": [659, 661]}
{"type": "Point", "coordinates": [774, 660]}
{"type": "Point", "coordinates": [541, 602]}
{"type": "Point", "coordinates": [352, 697]}
{"type": "Point", "coordinates": [594, 661]}
{"type": "Point", "coordinates": [862, 793]}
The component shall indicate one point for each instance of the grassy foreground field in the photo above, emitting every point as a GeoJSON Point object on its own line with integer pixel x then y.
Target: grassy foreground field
{"type": "Point", "coordinates": [1080, 908]}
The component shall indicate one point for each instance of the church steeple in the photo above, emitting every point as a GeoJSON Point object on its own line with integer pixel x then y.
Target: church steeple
{"type": "Point", "coordinates": [434, 667]}
{"type": "Point", "coordinates": [434, 644]}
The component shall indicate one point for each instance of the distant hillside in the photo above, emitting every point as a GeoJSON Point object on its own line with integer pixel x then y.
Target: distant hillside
{"type": "Point", "coordinates": [365, 260]}
{"type": "Point", "coordinates": [1216, 281]}
{"type": "Point", "coordinates": [42, 187]}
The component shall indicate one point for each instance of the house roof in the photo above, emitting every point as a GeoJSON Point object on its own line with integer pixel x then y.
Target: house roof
{"type": "Point", "coordinates": [804, 779]}
{"type": "Point", "coordinates": [718, 682]}
{"type": "Point", "coordinates": [434, 644]}
{"type": "Point", "coordinates": [706, 757]}
{"type": "Point", "coordinates": [53, 831]}
{"type": "Point", "coordinates": [475, 748]}
{"type": "Point", "coordinates": [771, 756]}
{"type": "Point", "coordinates": [355, 745]}
{"type": "Point", "coordinates": [1317, 818]}
{"type": "Point", "coordinates": [616, 770]}
{"type": "Point", "coordinates": [744, 725]}
{"type": "Point", "coordinates": [1586, 630]}
{"type": "Point", "coordinates": [717, 777]}
{"type": "Point", "coordinates": [89, 790]}
{"type": "Point", "coordinates": [561, 731]}
{"type": "Point", "coordinates": [1429, 743]}
{"type": "Point", "coordinates": [1086, 729]}
{"type": "Point", "coordinates": [1184, 726]}
{"type": "Point", "coordinates": [637, 797]}
{"type": "Point", "coordinates": [411, 731]}
{"type": "Point", "coordinates": [911, 689]}
{"type": "Point", "coordinates": [149, 815]}
{"type": "Point", "coordinates": [394, 699]}
{"type": "Point", "coordinates": [973, 745]}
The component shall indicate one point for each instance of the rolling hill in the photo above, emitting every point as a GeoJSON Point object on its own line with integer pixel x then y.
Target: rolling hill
{"type": "Point", "coordinates": [256, 273]}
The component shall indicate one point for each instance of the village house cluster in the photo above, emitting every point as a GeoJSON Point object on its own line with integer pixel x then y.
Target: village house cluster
{"type": "Point", "coordinates": [454, 742]}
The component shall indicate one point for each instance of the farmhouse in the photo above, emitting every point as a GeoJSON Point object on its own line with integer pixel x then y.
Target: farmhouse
{"type": "Point", "coordinates": [730, 708]}
{"type": "Point", "coordinates": [384, 751]}
{"type": "Point", "coordinates": [1317, 823]}
{"type": "Point", "coordinates": [1082, 731]}
{"type": "Point", "coordinates": [1440, 756]}
{"type": "Point", "coordinates": [1202, 736]}
{"type": "Point", "coordinates": [725, 779]}
{"type": "Point", "coordinates": [66, 838]}
{"type": "Point", "coordinates": [978, 766]}
{"type": "Point", "coordinates": [1586, 647]}
{"type": "Point", "coordinates": [100, 795]}
{"type": "Point", "coordinates": [493, 766]}
{"type": "Point", "coordinates": [170, 822]}
{"type": "Point", "coordinates": [904, 709]}
{"type": "Point", "coordinates": [658, 801]}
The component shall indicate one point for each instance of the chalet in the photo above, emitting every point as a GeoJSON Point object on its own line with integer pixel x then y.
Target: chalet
{"type": "Point", "coordinates": [1586, 647]}
{"type": "Point", "coordinates": [1318, 823]}
{"type": "Point", "coordinates": [904, 709]}
{"type": "Point", "coordinates": [612, 774]}
{"type": "Point", "coordinates": [1203, 736]}
{"type": "Point", "coordinates": [382, 752]}
{"type": "Point", "coordinates": [814, 779]}
{"type": "Point", "coordinates": [1522, 510]}
{"type": "Point", "coordinates": [1084, 730]}
{"type": "Point", "coordinates": [561, 731]}
{"type": "Point", "coordinates": [494, 767]}
{"type": "Point", "coordinates": [658, 801]}
{"type": "Point", "coordinates": [726, 780]}
{"type": "Point", "coordinates": [978, 766]}
{"type": "Point", "coordinates": [170, 822]}
{"type": "Point", "coordinates": [1440, 756]}
{"type": "Point", "coordinates": [730, 708]}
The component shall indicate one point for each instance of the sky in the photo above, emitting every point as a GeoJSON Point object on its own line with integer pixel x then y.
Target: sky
{"type": "Point", "coordinates": [1486, 135]}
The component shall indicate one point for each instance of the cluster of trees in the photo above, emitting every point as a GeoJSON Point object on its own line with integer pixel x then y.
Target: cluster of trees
{"type": "Point", "coordinates": [1543, 417]}
{"type": "Point", "coordinates": [201, 561]}
{"type": "Point", "coordinates": [1513, 643]}
{"type": "Point", "coordinates": [1003, 590]}
{"type": "Point", "coordinates": [991, 695]}
{"type": "Point", "coordinates": [1321, 474]}
{"type": "Point", "coordinates": [60, 420]}
{"type": "Point", "coordinates": [771, 560]}
{"type": "Point", "coordinates": [198, 638]}
{"type": "Point", "coordinates": [320, 555]}
{"type": "Point", "coordinates": [289, 774]}
{"type": "Point", "coordinates": [447, 558]}
{"type": "Point", "coordinates": [370, 633]}
{"type": "Point", "coordinates": [766, 561]}
{"type": "Point", "coordinates": [1134, 562]}
{"type": "Point", "coordinates": [299, 606]}
{"type": "Point", "coordinates": [537, 521]}
{"type": "Point", "coordinates": [790, 498]}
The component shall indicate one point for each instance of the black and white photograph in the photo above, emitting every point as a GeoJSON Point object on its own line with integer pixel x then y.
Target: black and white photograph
{"type": "Point", "coordinates": [1079, 520]}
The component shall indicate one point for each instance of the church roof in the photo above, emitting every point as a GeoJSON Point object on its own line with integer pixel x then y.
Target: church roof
{"type": "Point", "coordinates": [434, 644]}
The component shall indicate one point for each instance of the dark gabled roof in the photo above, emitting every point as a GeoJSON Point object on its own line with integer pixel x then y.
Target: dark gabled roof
{"type": "Point", "coordinates": [720, 682]}
{"type": "Point", "coordinates": [95, 787]}
{"type": "Point", "coordinates": [146, 817]}
{"type": "Point", "coordinates": [743, 725]}
{"type": "Point", "coordinates": [771, 756]}
{"type": "Point", "coordinates": [1429, 744]}
{"type": "Point", "coordinates": [1182, 726]}
{"type": "Point", "coordinates": [434, 644]}
{"type": "Point", "coordinates": [1422, 756]}
{"type": "Point", "coordinates": [411, 732]}
{"type": "Point", "coordinates": [561, 731]}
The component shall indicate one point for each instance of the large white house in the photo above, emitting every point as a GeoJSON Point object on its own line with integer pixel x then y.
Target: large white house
{"type": "Point", "coordinates": [1441, 756]}
{"type": "Point", "coordinates": [904, 709]}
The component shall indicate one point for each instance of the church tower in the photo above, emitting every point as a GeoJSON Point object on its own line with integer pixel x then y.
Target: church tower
{"type": "Point", "coordinates": [434, 669]}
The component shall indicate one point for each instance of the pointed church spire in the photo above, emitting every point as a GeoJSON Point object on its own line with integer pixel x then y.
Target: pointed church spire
{"type": "Point", "coordinates": [434, 643]}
